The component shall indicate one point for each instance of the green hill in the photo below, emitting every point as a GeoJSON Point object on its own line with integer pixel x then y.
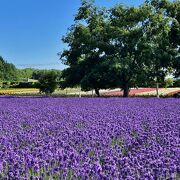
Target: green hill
{"type": "Point", "coordinates": [8, 71]}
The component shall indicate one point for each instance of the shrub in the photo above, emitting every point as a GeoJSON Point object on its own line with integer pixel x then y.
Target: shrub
{"type": "Point", "coordinates": [25, 85]}
{"type": "Point", "coordinates": [48, 83]}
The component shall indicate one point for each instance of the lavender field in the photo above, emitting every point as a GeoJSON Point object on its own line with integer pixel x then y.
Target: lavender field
{"type": "Point", "coordinates": [86, 138]}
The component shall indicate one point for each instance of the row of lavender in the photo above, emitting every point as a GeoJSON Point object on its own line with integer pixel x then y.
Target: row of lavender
{"type": "Point", "coordinates": [115, 138]}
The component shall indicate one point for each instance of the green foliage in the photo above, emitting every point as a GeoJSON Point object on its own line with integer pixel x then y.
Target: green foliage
{"type": "Point", "coordinates": [25, 73]}
{"type": "Point", "coordinates": [176, 83]}
{"type": "Point", "coordinates": [122, 46]}
{"type": "Point", "coordinates": [88, 67]}
{"type": "Point", "coordinates": [25, 85]}
{"type": "Point", "coordinates": [48, 82]}
{"type": "Point", "coordinates": [169, 82]}
{"type": "Point", "coordinates": [38, 73]}
{"type": "Point", "coordinates": [6, 84]}
{"type": "Point", "coordinates": [126, 30]}
{"type": "Point", "coordinates": [31, 73]}
{"type": "Point", "coordinates": [8, 71]}
{"type": "Point", "coordinates": [162, 51]}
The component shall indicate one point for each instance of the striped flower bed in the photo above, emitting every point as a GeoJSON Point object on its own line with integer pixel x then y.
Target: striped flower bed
{"type": "Point", "coordinates": [18, 91]}
{"type": "Point", "coordinates": [131, 93]}
{"type": "Point", "coordinates": [162, 92]}
{"type": "Point", "coordinates": [174, 92]}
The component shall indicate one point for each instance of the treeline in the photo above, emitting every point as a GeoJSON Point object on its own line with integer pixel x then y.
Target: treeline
{"type": "Point", "coordinates": [8, 71]}
{"type": "Point", "coordinates": [124, 46]}
{"type": "Point", "coordinates": [10, 76]}
{"type": "Point", "coordinates": [36, 74]}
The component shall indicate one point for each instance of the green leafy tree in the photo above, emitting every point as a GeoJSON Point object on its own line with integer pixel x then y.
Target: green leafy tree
{"type": "Point", "coordinates": [31, 73]}
{"type": "Point", "coordinates": [25, 73]}
{"type": "Point", "coordinates": [131, 44]}
{"type": "Point", "coordinates": [85, 56]}
{"type": "Point", "coordinates": [8, 71]}
{"type": "Point", "coordinates": [169, 82]}
{"type": "Point", "coordinates": [162, 51]}
{"type": "Point", "coordinates": [48, 83]}
{"type": "Point", "coordinates": [173, 11]}
{"type": "Point", "coordinates": [176, 83]}
{"type": "Point", "coordinates": [38, 73]}
{"type": "Point", "coordinates": [100, 77]}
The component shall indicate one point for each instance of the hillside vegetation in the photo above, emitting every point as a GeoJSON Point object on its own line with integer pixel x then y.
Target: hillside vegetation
{"type": "Point", "coordinates": [9, 72]}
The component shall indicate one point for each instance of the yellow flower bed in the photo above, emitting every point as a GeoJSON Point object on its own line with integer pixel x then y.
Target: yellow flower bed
{"type": "Point", "coordinates": [18, 91]}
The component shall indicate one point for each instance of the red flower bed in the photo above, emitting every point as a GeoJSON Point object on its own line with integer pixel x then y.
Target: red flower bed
{"type": "Point", "coordinates": [172, 93]}
{"type": "Point", "coordinates": [132, 92]}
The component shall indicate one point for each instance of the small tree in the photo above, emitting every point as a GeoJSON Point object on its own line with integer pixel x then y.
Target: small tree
{"type": "Point", "coordinates": [48, 83]}
{"type": "Point", "coordinates": [169, 82]}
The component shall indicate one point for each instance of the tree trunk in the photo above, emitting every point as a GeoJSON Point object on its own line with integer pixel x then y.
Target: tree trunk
{"type": "Point", "coordinates": [97, 92]}
{"type": "Point", "coordinates": [157, 90]}
{"type": "Point", "coordinates": [80, 93]}
{"type": "Point", "coordinates": [126, 90]}
{"type": "Point", "coordinates": [92, 93]}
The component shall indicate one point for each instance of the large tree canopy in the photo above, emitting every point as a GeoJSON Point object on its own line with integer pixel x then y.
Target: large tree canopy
{"type": "Point", "coordinates": [120, 46]}
{"type": "Point", "coordinates": [85, 56]}
{"type": "Point", "coordinates": [127, 38]}
{"type": "Point", "coordinates": [173, 11]}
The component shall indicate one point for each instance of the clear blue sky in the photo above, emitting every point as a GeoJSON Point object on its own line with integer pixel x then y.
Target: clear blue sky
{"type": "Point", "coordinates": [31, 30]}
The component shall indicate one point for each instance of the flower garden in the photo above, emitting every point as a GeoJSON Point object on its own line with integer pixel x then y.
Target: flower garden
{"type": "Point", "coordinates": [89, 138]}
{"type": "Point", "coordinates": [140, 92]}
{"type": "Point", "coordinates": [145, 92]}
{"type": "Point", "coordinates": [18, 91]}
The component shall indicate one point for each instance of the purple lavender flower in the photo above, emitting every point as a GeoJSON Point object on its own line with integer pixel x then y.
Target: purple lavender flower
{"type": "Point", "coordinates": [114, 138]}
